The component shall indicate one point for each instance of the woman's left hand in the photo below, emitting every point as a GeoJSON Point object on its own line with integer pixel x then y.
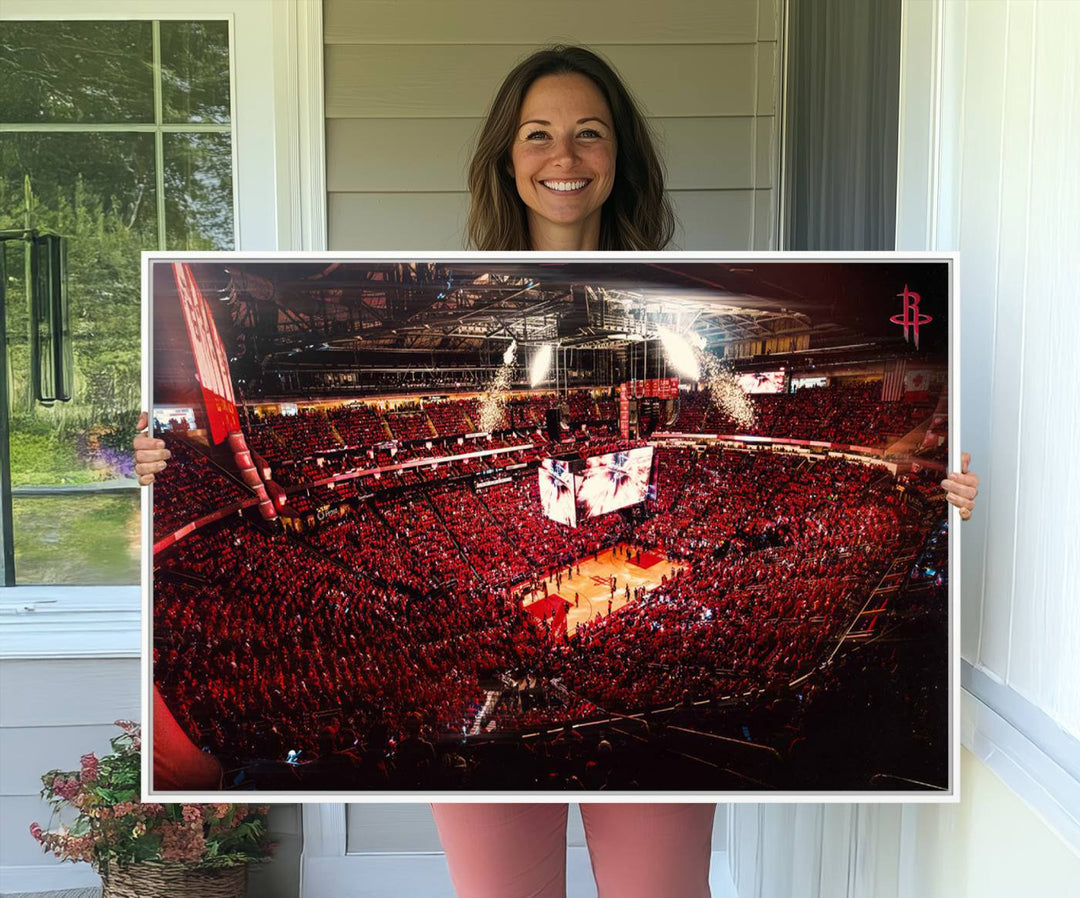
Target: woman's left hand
{"type": "Point", "coordinates": [962, 488]}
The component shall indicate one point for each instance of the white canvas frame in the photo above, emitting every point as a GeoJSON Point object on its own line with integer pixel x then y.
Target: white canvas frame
{"type": "Point", "coordinates": [328, 818]}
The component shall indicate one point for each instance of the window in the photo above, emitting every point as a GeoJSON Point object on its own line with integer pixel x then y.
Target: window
{"type": "Point", "coordinates": [117, 135]}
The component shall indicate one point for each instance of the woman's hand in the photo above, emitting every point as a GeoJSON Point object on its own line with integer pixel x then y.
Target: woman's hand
{"type": "Point", "coordinates": [962, 488]}
{"type": "Point", "coordinates": [150, 454]}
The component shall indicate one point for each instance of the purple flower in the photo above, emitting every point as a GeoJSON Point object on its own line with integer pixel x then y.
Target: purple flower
{"type": "Point", "coordinates": [120, 463]}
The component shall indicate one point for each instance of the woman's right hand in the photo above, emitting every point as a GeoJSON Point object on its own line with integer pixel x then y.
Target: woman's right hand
{"type": "Point", "coordinates": [150, 454]}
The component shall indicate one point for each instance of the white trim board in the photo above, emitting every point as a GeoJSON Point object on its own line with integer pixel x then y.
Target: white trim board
{"type": "Point", "coordinates": [39, 622]}
{"type": "Point", "coordinates": [1027, 768]}
{"type": "Point", "coordinates": [301, 124]}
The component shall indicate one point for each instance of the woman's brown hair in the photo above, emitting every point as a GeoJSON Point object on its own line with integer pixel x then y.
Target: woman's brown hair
{"type": "Point", "coordinates": [637, 214]}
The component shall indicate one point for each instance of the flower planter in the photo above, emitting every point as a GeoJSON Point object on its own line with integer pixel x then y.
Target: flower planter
{"type": "Point", "coordinates": [149, 850]}
{"type": "Point", "coordinates": [174, 881]}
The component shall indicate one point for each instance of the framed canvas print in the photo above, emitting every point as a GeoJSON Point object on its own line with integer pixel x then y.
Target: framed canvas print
{"type": "Point", "coordinates": [491, 527]}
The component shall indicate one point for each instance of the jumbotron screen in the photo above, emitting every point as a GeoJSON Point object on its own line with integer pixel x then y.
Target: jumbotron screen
{"type": "Point", "coordinates": [762, 382]}
{"type": "Point", "coordinates": [557, 492]}
{"type": "Point", "coordinates": [614, 481]}
{"type": "Point", "coordinates": [174, 418]}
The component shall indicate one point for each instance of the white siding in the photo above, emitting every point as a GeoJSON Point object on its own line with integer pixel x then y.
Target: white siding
{"type": "Point", "coordinates": [53, 712]}
{"type": "Point", "coordinates": [1008, 198]}
{"type": "Point", "coordinates": [408, 83]}
{"type": "Point", "coordinates": [391, 827]}
{"type": "Point", "coordinates": [815, 850]}
{"type": "Point", "coordinates": [513, 22]}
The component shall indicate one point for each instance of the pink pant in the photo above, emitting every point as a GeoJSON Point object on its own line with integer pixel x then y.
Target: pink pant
{"type": "Point", "coordinates": [519, 850]}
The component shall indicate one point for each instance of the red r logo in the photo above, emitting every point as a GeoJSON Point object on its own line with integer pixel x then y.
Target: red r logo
{"type": "Point", "coordinates": [910, 317]}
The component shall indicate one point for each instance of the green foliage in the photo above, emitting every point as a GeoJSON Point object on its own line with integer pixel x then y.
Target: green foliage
{"type": "Point", "coordinates": [76, 71]}
{"type": "Point", "coordinates": [40, 458]}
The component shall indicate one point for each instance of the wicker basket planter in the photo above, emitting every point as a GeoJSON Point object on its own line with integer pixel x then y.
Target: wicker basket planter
{"type": "Point", "coordinates": [174, 881]}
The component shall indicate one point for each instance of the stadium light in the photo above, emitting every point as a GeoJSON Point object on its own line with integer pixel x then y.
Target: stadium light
{"type": "Point", "coordinates": [511, 353]}
{"type": "Point", "coordinates": [541, 365]}
{"type": "Point", "coordinates": [680, 353]}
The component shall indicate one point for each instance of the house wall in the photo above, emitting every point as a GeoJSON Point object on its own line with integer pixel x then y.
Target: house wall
{"type": "Point", "coordinates": [410, 827]}
{"type": "Point", "coordinates": [990, 845]}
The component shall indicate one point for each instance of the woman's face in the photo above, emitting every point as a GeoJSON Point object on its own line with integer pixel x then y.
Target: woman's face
{"type": "Point", "coordinates": [563, 160]}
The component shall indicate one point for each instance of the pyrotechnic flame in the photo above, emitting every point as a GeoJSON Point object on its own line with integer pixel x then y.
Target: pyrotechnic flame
{"type": "Point", "coordinates": [494, 399]}
{"type": "Point", "coordinates": [726, 394]}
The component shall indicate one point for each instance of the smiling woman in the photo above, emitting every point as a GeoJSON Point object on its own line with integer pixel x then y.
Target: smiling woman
{"type": "Point", "coordinates": [565, 160]}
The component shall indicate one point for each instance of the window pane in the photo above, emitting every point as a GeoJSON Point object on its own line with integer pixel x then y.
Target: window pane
{"type": "Point", "coordinates": [81, 184]}
{"type": "Point", "coordinates": [195, 71]}
{"type": "Point", "coordinates": [77, 540]}
{"type": "Point", "coordinates": [98, 191]}
{"type": "Point", "coordinates": [198, 192]}
{"type": "Point", "coordinates": [76, 72]}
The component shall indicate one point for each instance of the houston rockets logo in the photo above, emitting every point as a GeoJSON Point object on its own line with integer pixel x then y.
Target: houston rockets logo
{"type": "Point", "coordinates": [911, 317]}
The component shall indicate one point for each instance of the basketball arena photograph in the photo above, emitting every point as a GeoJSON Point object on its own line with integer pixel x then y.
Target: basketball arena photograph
{"type": "Point", "coordinates": [484, 524]}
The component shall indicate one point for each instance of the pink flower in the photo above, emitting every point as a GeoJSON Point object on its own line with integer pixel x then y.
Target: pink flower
{"type": "Point", "coordinates": [192, 813]}
{"type": "Point", "coordinates": [89, 767]}
{"type": "Point", "coordinates": [36, 832]}
{"type": "Point", "coordinates": [181, 842]}
{"type": "Point", "coordinates": [65, 788]}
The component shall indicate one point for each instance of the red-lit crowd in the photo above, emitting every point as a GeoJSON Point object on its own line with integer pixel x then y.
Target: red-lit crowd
{"type": "Point", "coordinates": [194, 487]}
{"type": "Point", "coordinates": [409, 603]}
{"type": "Point", "coordinates": [850, 414]}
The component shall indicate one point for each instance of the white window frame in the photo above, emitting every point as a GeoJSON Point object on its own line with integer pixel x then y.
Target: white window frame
{"type": "Point", "coordinates": [276, 57]}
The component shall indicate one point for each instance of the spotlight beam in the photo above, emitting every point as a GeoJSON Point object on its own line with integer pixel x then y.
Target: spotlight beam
{"type": "Point", "coordinates": [680, 354]}
{"type": "Point", "coordinates": [541, 365]}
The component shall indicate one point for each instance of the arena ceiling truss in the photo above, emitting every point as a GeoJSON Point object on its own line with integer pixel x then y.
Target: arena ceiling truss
{"type": "Point", "coordinates": [401, 314]}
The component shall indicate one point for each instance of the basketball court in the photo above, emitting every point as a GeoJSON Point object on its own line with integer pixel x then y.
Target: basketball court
{"type": "Point", "coordinates": [592, 587]}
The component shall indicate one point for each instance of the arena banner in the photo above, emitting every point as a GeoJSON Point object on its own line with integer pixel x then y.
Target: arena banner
{"type": "Point", "coordinates": [505, 527]}
{"type": "Point", "coordinates": [211, 365]}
